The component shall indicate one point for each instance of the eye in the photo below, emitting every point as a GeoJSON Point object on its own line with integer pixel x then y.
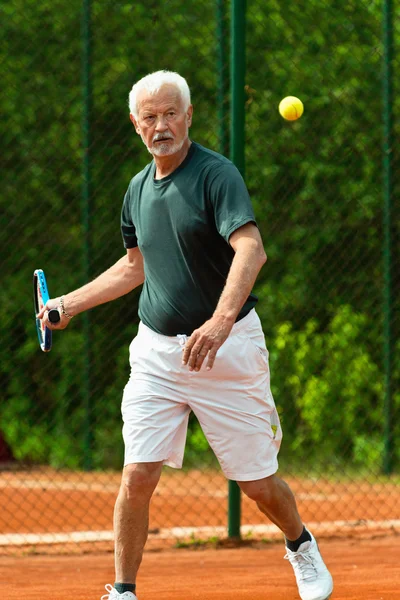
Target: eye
{"type": "Point", "coordinates": [149, 118]}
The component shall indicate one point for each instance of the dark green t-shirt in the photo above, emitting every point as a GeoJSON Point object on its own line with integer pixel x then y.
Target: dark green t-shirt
{"type": "Point", "coordinates": [182, 225]}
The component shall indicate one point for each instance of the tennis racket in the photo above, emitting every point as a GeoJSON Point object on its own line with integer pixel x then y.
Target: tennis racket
{"type": "Point", "coordinates": [40, 297]}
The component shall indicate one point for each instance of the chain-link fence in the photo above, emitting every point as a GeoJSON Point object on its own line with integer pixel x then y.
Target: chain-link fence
{"type": "Point", "coordinates": [318, 191]}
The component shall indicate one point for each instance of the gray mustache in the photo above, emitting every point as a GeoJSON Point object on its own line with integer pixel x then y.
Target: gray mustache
{"type": "Point", "coordinates": [162, 136]}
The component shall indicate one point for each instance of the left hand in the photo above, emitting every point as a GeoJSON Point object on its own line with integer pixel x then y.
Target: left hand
{"type": "Point", "coordinates": [206, 341]}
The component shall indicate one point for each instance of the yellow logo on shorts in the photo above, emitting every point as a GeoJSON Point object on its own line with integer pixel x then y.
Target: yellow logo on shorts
{"type": "Point", "coordinates": [274, 429]}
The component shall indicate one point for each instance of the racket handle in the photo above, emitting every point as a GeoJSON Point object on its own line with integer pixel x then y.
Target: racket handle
{"type": "Point", "coordinates": [54, 315]}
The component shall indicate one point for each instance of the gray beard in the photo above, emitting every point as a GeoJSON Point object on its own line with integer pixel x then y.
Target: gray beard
{"type": "Point", "coordinates": [165, 149]}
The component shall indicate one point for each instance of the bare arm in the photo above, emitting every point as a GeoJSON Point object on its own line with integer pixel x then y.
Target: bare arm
{"type": "Point", "coordinates": [247, 262]}
{"type": "Point", "coordinates": [120, 279]}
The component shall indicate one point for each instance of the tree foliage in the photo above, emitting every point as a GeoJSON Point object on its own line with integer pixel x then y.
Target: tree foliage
{"type": "Point", "coordinates": [316, 185]}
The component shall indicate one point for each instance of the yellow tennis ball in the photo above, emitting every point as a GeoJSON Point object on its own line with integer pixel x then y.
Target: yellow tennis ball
{"type": "Point", "coordinates": [291, 108]}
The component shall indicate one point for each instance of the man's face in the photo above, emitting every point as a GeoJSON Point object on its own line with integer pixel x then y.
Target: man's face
{"type": "Point", "coordinates": [162, 122]}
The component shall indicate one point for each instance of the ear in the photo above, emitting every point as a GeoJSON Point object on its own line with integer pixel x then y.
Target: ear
{"type": "Point", "coordinates": [135, 123]}
{"type": "Point", "coordinates": [189, 114]}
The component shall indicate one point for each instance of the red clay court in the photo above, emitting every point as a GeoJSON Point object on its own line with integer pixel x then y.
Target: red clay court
{"type": "Point", "coordinates": [56, 538]}
{"type": "Point", "coordinates": [366, 569]}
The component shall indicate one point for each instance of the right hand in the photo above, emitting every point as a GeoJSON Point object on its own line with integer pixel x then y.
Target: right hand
{"type": "Point", "coordinates": [44, 314]}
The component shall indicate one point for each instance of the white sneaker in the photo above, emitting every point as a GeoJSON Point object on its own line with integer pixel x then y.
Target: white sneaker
{"type": "Point", "coordinates": [114, 595]}
{"type": "Point", "coordinates": [313, 578]}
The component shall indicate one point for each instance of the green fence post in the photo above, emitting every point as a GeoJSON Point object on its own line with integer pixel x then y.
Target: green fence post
{"type": "Point", "coordinates": [387, 76]}
{"type": "Point", "coordinates": [223, 77]}
{"type": "Point", "coordinates": [86, 214]}
{"type": "Point", "coordinates": [238, 70]}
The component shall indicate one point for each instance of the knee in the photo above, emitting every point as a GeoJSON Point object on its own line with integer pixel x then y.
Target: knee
{"type": "Point", "coordinates": [260, 491]}
{"type": "Point", "coordinates": [140, 480]}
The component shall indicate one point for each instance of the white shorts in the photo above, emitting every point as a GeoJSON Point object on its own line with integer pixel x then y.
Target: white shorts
{"type": "Point", "coordinates": [232, 402]}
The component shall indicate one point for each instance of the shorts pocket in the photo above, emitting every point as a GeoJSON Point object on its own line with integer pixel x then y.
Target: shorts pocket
{"type": "Point", "coordinates": [257, 344]}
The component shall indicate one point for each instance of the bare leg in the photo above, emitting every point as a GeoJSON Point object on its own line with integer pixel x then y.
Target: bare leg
{"type": "Point", "coordinates": [275, 499]}
{"type": "Point", "coordinates": [131, 518]}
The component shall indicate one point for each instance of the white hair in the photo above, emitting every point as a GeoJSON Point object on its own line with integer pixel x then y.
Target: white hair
{"type": "Point", "coordinates": [153, 82]}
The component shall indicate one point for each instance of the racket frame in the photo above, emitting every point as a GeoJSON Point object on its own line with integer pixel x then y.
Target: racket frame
{"type": "Point", "coordinates": [40, 297]}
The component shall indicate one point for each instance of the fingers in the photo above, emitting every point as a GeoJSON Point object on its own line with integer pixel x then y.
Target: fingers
{"type": "Point", "coordinates": [205, 342]}
{"type": "Point", "coordinates": [45, 319]}
{"type": "Point", "coordinates": [50, 324]}
{"type": "Point", "coordinates": [61, 324]}
{"type": "Point", "coordinates": [40, 314]}
{"type": "Point", "coordinates": [197, 356]}
{"type": "Point", "coordinates": [43, 315]}
{"type": "Point", "coordinates": [188, 348]}
{"type": "Point", "coordinates": [211, 358]}
{"type": "Point", "coordinates": [196, 350]}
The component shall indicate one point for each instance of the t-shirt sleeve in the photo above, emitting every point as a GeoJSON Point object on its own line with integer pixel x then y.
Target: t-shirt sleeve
{"type": "Point", "coordinates": [230, 200]}
{"type": "Point", "coordinates": [128, 229]}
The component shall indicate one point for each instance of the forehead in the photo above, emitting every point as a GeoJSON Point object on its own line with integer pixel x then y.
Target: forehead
{"type": "Point", "coordinates": [166, 96]}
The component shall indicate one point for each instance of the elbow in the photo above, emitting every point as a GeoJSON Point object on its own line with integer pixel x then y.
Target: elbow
{"type": "Point", "coordinates": [263, 258]}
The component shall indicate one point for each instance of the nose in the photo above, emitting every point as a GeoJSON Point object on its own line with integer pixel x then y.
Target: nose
{"type": "Point", "coordinates": [161, 123]}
